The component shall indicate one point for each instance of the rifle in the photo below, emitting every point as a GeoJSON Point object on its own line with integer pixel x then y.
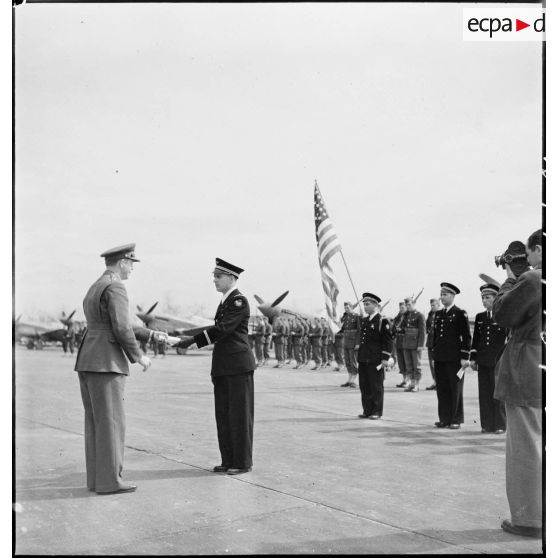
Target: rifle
{"type": "Point", "coordinates": [382, 307]}
{"type": "Point", "coordinates": [415, 298]}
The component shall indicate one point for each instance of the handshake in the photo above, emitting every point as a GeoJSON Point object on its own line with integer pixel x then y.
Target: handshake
{"type": "Point", "coordinates": [162, 336]}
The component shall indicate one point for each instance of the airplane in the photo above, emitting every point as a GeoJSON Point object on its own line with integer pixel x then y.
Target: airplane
{"type": "Point", "coordinates": [36, 335]}
{"type": "Point", "coordinates": [171, 324]}
{"type": "Point", "coordinates": [273, 310]}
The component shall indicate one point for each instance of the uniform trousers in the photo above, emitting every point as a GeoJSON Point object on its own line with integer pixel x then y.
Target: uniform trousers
{"type": "Point", "coordinates": [449, 389]}
{"type": "Point", "coordinates": [350, 358]}
{"type": "Point", "coordinates": [492, 411]}
{"type": "Point", "coordinates": [258, 343]}
{"type": "Point", "coordinates": [431, 364]}
{"type": "Point", "coordinates": [266, 348]}
{"type": "Point", "coordinates": [412, 363]}
{"type": "Point", "coordinates": [324, 350]}
{"type": "Point", "coordinates": [401, 361]}
{"type": "Point", "coordinates": [102, 394]}
{"type": "Point", "coordinates": [234, 415]}
{"type": "Point", "coordinates": [297, 353]}
{"type": "Point", "coordinates": [338, 347]}
{"type": "Point", "coordinates": [316, 353]}
{"type": "Point", "coordinates": [279, 349]}
{"type": "Point", "coordinates": [371, 384]}
{"type": "Point", "coordinates": [524, 464]}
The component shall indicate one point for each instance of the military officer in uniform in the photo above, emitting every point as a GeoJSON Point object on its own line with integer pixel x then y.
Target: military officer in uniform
{"type": "Point", "coordinates": [232, 371]}
{"type": "Point", "coordinates": [278, 334]}
{"type": "Point", "coordinates": [451, 343]}
{"type": "Point", "coordinates": [315, 335]}
{"type": "Point", "coordinates": [414, 333]}
{"type": "Point", "coordinates": [338, 350]}
{"type": "Point", "coordinates": [259, 334]}
{"type": "Point", "coordinates": [297, 333]}
{"type": "Point", "coordinates": [102, 365]}
{"type": "Point", "coordinates": [267, 339]}
{"type": "Point", "coordinates": [325, 342]}
{"type": "Point", "coordinates": [435, 305]}
{"type": "Point", "coordinates": [374, 351]}
{"type": "Point", "coordinates": [397, 331]}
{"type": "Point", "coordinates": [351, 335]}
{"type": "Point", "coordinates": [489, 340]}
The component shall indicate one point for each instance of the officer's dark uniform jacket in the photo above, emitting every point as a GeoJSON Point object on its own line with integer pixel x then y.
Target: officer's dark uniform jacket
{"type": "Point", "coordinates": [376, 341]}
{"type": "Point", "coordinates": [398, 330]}
{"type": "Point", "coordinates": [414, 330]}
{"type": "Point", "coordinates": [488, 340]}
{"type": "Point", "coordinates": [231, 354]}
{"type": "Point", "coordinates": [109, 337]}
{"type": "Point", "coordinates": [451, 338]}
{"type": "Point", "coordinates": [351, 329]}
{"type": "Point", "coordinates": [430, 328]}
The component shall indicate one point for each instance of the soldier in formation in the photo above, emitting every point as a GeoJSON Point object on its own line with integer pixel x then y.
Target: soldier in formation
{"type": "Point", "coordinates": [399, 354]}
{"type": "Point", "coordinates": [315, 335]}
{"type": "Point", "coordinates": [351, 334]}
{"type": "Point", "coordinates": [259, 338]}
{"type": "Point", "coordinates": [488, 342]}
{"type": "Point", "coordinates": [267, 339]}
{"type": "Point", "coordinates": [414, 333]}
{"type": "Point", "coordinates": [279, 331]}
{"type": "Point", "coordinates": [435, 305]}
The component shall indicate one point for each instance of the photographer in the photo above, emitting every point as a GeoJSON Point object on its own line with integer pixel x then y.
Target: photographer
{"type": "Point", "coordinates": [518, 306]}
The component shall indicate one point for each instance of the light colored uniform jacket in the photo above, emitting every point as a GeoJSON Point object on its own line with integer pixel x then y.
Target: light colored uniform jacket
{"type": "Point", "coordinates": [518, 306]}
{"type": "Point", "coordinates": [109, 337]}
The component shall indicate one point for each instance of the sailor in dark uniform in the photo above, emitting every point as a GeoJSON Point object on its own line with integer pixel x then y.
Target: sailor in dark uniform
{"type": "Point", "coordinates": [232, 371]}
{"type": "Point", "coordinates": [451, 342]}
{"type": "Point", "coordinates": [489, 340]}
{"type": "Point", "coordinates": [374, 351]}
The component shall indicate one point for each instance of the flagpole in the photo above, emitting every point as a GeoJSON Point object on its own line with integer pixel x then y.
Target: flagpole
{"type": "Point", "coordinates": [351, 280]}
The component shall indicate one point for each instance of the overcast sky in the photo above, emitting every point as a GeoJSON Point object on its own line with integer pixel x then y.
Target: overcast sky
{"type": "Point", "coordinates": [197, 131]}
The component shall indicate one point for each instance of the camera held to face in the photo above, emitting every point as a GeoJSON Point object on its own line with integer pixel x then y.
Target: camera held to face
{"type": "Point", "coordinates": [515, 256]}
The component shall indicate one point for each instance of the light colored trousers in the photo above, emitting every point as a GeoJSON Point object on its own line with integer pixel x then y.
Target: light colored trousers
{"type": "Point", "coordinates": [524, 464]}
{"type": "Point", "coordinates": [102, 394]}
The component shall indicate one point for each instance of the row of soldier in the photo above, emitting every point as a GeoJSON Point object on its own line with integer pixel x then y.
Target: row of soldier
{"type": "Point", "coordinates": [297, 339]}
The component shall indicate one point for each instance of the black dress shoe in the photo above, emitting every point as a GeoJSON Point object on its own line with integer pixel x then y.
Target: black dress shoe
{"type": "Point", "coordinates": [374, 417]}
{"type": "Point", "coordinates": [220, 468]}
{"type": "Point", "coordinates": [363, 416]}
{"type": "Point", "coordinates": [123, 490]}
{"type": "Point", "coordinates": [454, 426]}
{"type": "Point", "coordinates": [441, 424]}
{"type": "Point", "coordinates": [239, 471]}
{"type": "Point", "coordinates": [430, 388]}
{"type": "Point", "coordinates": [523, 531]}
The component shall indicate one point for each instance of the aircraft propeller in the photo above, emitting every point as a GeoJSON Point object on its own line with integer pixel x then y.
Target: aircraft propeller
{"type": "Point", "coordinates": [278, 299]}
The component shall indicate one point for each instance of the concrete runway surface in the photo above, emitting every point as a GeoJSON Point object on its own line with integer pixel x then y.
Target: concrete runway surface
{"type": "Point", "coordinates": [323, 481]}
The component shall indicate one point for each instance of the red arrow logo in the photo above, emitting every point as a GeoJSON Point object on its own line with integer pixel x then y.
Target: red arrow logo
{"type": "Point", "coordinates": [519, 25]}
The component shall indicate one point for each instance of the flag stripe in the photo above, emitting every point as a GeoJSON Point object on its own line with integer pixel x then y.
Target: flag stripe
{"type": "Point", "coordinates": [328, 245]}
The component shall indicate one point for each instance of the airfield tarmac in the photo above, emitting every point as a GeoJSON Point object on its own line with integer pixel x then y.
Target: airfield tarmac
{"type": "Point", "coordinates": [324, 481]}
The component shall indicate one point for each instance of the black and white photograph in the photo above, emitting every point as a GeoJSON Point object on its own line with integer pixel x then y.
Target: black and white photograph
{"type": "Point", "coordinates": [278, 278]}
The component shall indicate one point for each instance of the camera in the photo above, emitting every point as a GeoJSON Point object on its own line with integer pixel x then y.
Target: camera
{"type": "Point", "coordinates": [515, 256]}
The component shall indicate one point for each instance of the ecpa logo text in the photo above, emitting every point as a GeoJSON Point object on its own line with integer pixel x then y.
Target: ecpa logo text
{"type": "Point", "coordinates": [494, 25]}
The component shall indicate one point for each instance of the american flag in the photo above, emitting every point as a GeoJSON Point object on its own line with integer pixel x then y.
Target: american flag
{"type": "Point", "coordinates": [328, 246]}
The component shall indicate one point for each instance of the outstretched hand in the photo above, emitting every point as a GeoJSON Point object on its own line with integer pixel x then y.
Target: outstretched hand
{"type": "Point", "coordinates": [185, 342]}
